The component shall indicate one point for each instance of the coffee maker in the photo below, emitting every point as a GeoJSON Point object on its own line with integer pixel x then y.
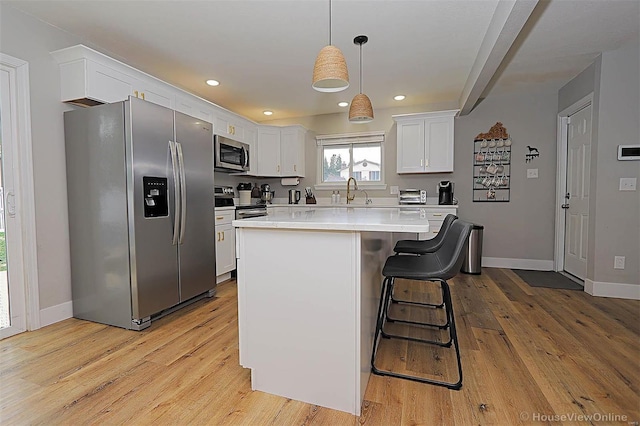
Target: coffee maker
{"type": "Point", "coordinates": [445, 192]}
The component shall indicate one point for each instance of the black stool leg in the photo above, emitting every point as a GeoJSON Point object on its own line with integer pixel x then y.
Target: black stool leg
{"type": "Point", "coordinates": [426, 305]}
{"type": "Point", "coordinates": [430, 305]}
{"type": "Point", "coordinates": [384, 294]}
{"type": "Point", "coordinates": [454, 337]}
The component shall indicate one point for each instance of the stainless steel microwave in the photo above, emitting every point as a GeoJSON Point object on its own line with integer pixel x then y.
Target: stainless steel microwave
{"type": "Point", "coordinates": [230, 155]}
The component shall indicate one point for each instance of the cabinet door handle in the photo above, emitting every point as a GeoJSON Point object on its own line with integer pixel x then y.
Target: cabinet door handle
{"type": "Point", "coordinates": [278, 168]}
{"type": "Point", "coordinates": [142, 95]}
{"type": "Point", "coordinates": [421, 162]}
{"type": "Point", "coordinates": [218, 236]}
{"type": "Point", "coordinates": [135, 92]}
{"type": "Point", "coordinates": [294, 168]}
{"type": "Point", "coordinates": [437, 214]}
{"type": "Point", "coordinates": [219, 217]}
{"type": "Point", "coordinates": [426, 162]}
{"type": "Point", "coordinates": [222, 235]}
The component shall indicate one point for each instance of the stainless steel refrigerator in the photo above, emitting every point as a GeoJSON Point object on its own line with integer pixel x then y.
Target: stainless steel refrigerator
{"type": "Point", "coordinates": [141, 224]}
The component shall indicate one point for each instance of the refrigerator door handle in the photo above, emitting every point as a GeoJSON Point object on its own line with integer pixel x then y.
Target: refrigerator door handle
{"type": "Point", "coordinates": [183, 194]}
{"type": "Point", "coordinates": [176, 187]}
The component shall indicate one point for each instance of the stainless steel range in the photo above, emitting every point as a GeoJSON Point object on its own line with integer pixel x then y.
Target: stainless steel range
{"type": "Point", "coordinates": [255, 210]}
{"type": "Point", "coordinates": [224, 197]}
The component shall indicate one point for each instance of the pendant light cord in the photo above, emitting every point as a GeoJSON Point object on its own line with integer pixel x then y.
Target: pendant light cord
{"type": "Point", "coordinates": [329, 22]}
{"type": "Point", "coordinates": [360, 68]}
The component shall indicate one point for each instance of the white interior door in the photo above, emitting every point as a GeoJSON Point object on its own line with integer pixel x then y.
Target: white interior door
{"type": "Point", "coordinates": [577, 199]}
{"type": "Point", "coordinates": [12, 285]}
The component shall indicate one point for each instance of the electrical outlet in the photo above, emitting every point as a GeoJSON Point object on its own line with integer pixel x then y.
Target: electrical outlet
{"type": "Point", "coordinates": [618, 262]}
{"type": "Point", "coordinates": [394, 190]}
{"type": "Point", "coordinates": [627, 184]}
{"type": "Point", "coordinates": [532, 173]}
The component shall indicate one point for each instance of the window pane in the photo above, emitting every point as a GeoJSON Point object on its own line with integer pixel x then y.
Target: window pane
{"type": "Point", "coordinates": [367, 162]}
{"type": "Point", "coordinates": [336, 163]}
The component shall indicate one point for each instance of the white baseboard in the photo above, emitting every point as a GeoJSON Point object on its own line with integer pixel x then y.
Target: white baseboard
{"type": "Point", "coordinates": [56, 313]}
{"type": "Point", "coordinates": [510, 263]}
{"type": "Point", "coordinates": [619, 290]}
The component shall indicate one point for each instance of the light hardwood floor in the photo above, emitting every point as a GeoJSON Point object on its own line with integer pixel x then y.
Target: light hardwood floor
{"type": "Point", "coordinates": [528, 354]}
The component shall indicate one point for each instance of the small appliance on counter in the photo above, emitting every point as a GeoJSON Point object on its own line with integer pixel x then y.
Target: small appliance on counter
{"type": "Point", "coordinates": [266, 194]}
{"type": "Point", "coordinates": [244, 191]}
{"type": "Point", "coordinates": [412, 196]}
{"type": "Point", "coordinates": [294, 196]}
{"type": "Point", "coordinates": [445, 192]}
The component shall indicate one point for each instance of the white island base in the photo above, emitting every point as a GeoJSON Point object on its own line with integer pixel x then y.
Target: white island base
{"type": "Point", "coordinates": [307, 301]}
{"type": "Point", "coordinates": [307, 307]}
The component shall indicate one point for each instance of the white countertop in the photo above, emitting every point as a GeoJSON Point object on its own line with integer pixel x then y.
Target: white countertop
{"type": "Point", "coordinates": [368, 206]}
{"type": "Point", "coordinates": [342, 219]}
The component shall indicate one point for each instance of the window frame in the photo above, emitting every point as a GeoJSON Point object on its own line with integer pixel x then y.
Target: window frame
{"type": "Point", "coordinates": [348, 140]}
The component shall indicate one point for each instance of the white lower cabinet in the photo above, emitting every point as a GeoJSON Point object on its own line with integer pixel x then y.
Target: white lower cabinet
{"type": "Point", "coordinates": [225, 242]}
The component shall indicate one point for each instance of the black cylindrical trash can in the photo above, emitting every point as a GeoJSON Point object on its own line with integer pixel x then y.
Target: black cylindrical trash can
{"type": "Point", "coordinates": [473, 260]}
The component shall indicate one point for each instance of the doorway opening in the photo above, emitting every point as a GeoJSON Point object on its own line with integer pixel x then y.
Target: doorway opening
{"type": "Point", "coordinates": [19, 304]}
{"type": "Point", "coordinates": [573, 189]}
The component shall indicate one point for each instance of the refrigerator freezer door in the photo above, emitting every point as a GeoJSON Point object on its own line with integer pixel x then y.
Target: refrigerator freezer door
{"type": "Point", "coordinates": [154, 259]}
{"type": "Point", "coordinates": [98, 227]}
{"type": "Point", "coordinates": [197, 245]}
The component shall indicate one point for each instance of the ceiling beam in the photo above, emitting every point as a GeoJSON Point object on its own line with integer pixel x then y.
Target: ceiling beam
{"type": "Point", "coordinates": [507, 22]}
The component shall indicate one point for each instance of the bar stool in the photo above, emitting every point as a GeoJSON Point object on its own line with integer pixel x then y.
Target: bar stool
{"type": "Point", "coordinates": [438, 266]}
{"type": "Point", "coordinates": [420, 247]}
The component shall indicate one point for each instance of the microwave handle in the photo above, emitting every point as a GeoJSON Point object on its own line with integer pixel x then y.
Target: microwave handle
{"type": "Point", "coordinates": [245, 157]}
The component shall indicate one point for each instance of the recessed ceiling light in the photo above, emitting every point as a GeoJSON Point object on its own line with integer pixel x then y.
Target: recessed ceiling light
{"type": "Point", "coordinates": [399, 97]}
{"type": "Point", "coordinates": [343, 104]}
{"type": "Point", "coordinates": [267, 112]}
{"type": "Point", "coordinates": [213, 82]}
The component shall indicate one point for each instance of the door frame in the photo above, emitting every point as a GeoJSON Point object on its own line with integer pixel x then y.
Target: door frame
{"type": "Point", "coordinates": [21, 128]}
{"type": "Point", "coordinates": [562, 142]}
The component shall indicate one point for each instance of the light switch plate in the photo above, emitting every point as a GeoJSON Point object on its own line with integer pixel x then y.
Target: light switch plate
{"type": "Point", "coordinates": [618, 262]}
{"type": "Point", "coordinates": [627, 184]}
{"type": "Point", "coordinates": [394, 190]}
{"type": "Point", "coordinates": [532, 173]}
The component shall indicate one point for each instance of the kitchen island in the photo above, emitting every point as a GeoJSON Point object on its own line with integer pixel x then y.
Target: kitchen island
{"type": "Point", "coordinates": [308, 292]}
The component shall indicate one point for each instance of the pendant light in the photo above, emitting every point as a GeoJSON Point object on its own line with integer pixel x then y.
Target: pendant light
{"type": "Point", "coordinates": [330, 72]}
{"type": "Point", "coordinates": [360, 110]}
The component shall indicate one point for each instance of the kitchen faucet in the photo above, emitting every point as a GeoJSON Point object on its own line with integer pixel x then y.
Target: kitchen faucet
{"type": "Point", "coordinates": [351, 196]}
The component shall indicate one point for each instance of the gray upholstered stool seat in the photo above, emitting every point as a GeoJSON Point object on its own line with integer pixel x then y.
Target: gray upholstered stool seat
{"type": "Point", "coordinates": [439, 266]}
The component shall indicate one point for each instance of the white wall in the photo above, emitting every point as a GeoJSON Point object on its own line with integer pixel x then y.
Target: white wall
{"type": "Point", "coordinates": [28, 39]}
{"type": "Point", "coordinates": [617, 229]}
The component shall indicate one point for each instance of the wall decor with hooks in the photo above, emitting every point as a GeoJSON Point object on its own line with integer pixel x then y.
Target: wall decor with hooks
{"type": "Point", "coordinates": [492, 165]}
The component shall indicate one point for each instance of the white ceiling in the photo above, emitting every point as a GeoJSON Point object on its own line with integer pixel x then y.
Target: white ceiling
{"type": "Point", "coordinates": [263, 51]}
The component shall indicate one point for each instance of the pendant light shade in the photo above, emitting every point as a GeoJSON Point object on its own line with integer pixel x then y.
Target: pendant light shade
{"type": "Point", "coordinates": [361, 110]}
{"type": "Point", "coordinates": [330, 72]}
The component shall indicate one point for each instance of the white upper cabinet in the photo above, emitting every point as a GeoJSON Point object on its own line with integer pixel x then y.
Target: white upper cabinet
{"type": "Point", "coordinates": [229, 125]}
{"type": "Point", "coordinates": [425, 142]}
{"type": "Point", "coordinates": [268, 151]}
{"type": "Point", "coordinates": [90, 78]}
{"type": "Point", "coordinates": [194, 107]}
{"type": "Point", "coordinates": [292, 143]}
{"type": "Point", "coordinates": [281, 151]}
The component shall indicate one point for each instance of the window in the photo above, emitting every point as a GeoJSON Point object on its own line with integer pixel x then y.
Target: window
{"type": "Point", "coordinates": [358, 155]}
